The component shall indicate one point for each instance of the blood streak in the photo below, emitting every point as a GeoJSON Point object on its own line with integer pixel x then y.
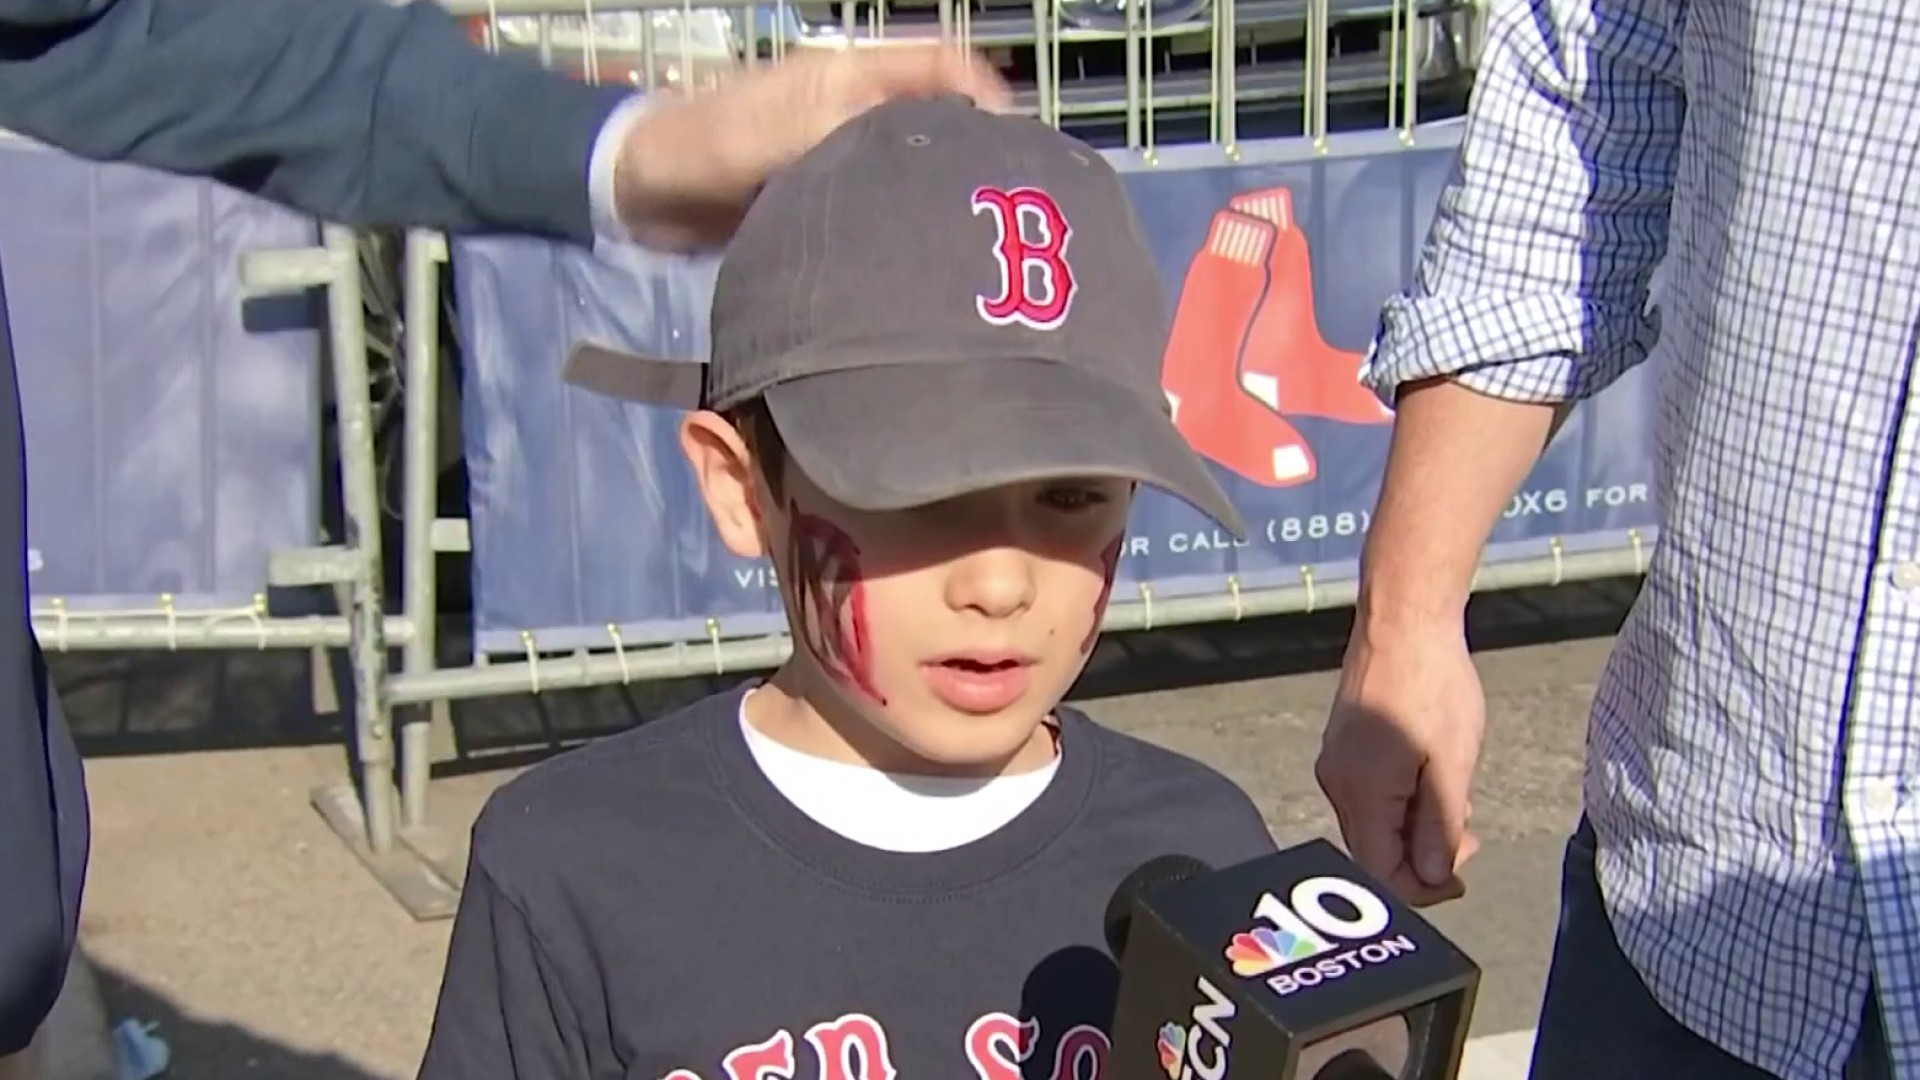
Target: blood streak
{"type": "Point", "coordinates": [1109, 563]}
{"type": "Point", "coordinates": [829, 595]}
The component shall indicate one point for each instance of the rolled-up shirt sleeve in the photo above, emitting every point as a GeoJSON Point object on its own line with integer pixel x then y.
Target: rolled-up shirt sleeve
{"type": "Point", "coordinates": [1533, 282]}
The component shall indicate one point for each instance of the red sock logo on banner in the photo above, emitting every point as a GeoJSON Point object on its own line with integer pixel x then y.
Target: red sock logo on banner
{"type": "Point", "coordinates": [1298, 372]}
{"type": "Point", "coordinates": [1246, 353]}
{"type": "Point", "coordinates": [1225, 285]}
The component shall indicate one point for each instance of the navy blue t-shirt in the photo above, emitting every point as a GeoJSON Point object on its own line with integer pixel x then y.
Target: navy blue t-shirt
{"type": "Point", "coordinates": [650, 907]}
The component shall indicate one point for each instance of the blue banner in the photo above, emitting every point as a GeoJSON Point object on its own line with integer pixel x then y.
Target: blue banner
{"type": "Point", "coordinates": [585, 516]}
{"type": "Point", "coordinates": [172, 429]}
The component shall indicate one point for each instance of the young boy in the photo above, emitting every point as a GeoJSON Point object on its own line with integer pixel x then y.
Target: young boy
{"type": "Point", "coordinates": [932, 389]}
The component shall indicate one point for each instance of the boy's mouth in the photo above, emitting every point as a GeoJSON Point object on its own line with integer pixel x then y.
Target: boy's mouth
{"type": "Point", "coordinates": [984, 663]}
{"type": "Point", "coordinates": [980, 682]}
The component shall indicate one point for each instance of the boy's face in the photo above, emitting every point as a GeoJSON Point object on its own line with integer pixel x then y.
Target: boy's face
{"type": "Point", "coordinates": [951, 629]}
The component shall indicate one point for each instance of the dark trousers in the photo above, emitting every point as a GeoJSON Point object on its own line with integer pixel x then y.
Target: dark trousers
{"type": "Point", "coordinates": [1599, 1022]}
{"type": "Point", "coordinates": [43, 798]}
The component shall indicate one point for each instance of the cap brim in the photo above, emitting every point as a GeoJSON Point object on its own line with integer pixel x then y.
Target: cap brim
{"type": "Point", "coordinates": [903, 435]}
{"type": "Point", "coordinates": [676, 384]}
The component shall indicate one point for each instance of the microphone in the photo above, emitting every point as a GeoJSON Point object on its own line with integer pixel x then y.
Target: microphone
{"type": "Point", "coordinates": [1293, 966]}
{"type": "Point", "coordinates": [1165, 870]}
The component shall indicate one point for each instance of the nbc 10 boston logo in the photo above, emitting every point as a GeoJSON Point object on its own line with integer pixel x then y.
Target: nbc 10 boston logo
{"type": "Point", "coordinates": [1328, 928]}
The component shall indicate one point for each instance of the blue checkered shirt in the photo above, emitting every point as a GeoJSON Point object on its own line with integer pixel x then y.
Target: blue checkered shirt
{"type": "Point", "coordinates": [1754, 755]}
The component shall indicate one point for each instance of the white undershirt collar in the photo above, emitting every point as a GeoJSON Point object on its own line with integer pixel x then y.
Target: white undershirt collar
{"type": "Point", "coordinates": [889, 811]}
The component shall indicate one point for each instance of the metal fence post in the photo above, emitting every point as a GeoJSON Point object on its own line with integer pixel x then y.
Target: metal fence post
{"type": "Point", "coordinates": [363, 814]}
{"type": "Point", "coordinates": [354, 564]}
{"type": "Point", "coordinates": [423, 253]}
{"type": "Point", "coordinates": [360, 501]}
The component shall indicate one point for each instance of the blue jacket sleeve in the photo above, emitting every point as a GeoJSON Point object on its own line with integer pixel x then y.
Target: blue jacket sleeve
{"type": "Point", "coordinates": [356, 111]}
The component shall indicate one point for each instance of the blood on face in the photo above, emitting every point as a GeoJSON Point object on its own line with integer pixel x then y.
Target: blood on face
{"type": "Point", "coordinates": [1109, 564]}
{"type": "Point", "coordinates": [829, 599]}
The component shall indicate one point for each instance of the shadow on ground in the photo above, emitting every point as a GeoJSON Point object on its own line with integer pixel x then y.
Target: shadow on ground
{"type": "Point", "coordinates": [170, 703]}
{"type": "Point", "coordinates": [206, 1049]}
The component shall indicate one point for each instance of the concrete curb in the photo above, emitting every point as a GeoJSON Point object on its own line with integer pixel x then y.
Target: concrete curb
{"type": "Point", "coordinates": [1498, 1057]}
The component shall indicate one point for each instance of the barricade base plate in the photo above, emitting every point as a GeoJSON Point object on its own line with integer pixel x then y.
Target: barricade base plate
{"type": "Point", "coordinates": [420, 871]}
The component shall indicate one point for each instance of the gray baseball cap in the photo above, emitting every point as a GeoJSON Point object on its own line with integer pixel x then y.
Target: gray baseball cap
{"type": "Point", "coordinates": [938, 300]}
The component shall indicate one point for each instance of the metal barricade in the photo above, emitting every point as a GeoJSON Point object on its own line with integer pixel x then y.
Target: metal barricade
{"type": "Point", "coordinates": [66, 617]}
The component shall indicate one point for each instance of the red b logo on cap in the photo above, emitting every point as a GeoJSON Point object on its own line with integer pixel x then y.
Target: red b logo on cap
{"type": "Point", "coordinates": [1036, 284]}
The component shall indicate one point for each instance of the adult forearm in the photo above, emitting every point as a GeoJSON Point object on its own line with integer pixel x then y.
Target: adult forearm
{"type": "Point", "coordinates": [475, 142]}
{"type": "Point", "coordinates": [1532, 287]}
{"type": "Point", "coordinates": [358, 111]}
{"type": "Point", "coordinates": [1456, 458]}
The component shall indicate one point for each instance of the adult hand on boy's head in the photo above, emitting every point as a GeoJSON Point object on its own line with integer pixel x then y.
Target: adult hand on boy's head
{"type": "Point", "coordinates": [691, 165]}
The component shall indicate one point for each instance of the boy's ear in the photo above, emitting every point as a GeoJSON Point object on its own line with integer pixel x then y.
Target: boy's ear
{"type": "Point", "coordinates": [725, 470]}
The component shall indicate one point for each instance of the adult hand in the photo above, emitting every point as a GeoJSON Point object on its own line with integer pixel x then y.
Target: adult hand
{"type": "Point", "coordinates": [1398, 754]}
{"type": "Point", "coordinates": [691, 165]}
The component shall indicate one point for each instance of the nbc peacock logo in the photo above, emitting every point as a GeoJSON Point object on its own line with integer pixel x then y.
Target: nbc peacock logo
{"type": "Point", "coordinates": [1264, 948]}
{"type": "Point", "coordinates": [1197, 1050]}
{"type": "Point", "coordinates": [1173, 1047]}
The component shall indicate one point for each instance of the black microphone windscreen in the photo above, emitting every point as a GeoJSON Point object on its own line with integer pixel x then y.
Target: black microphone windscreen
{"type": "Point", "coordinates": [1296, 965]}
{"type": "Point", "coordinates": [1163, 870]}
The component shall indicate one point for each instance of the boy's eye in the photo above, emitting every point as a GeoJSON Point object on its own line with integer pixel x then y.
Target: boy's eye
{"type": "Point", "coordinates": [1073, 498]}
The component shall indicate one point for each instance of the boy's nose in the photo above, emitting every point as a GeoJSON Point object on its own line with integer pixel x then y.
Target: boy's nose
{"type": "Point", "coordinates": [996, 582]}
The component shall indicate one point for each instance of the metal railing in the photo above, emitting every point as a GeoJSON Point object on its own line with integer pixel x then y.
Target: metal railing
{"type": "Point", "coordinates": [1085, 65]}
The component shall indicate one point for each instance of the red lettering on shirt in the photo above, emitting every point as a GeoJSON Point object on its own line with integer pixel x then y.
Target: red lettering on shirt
{"type": "Point", "coordinates": [1081, 1054]}
{"type": "Point", "coordinates": [854, 1047]}
{"type": "Point", "coordinates": [770, 1060]}
{"type": "Point", "coordinates": [997, 1044]}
